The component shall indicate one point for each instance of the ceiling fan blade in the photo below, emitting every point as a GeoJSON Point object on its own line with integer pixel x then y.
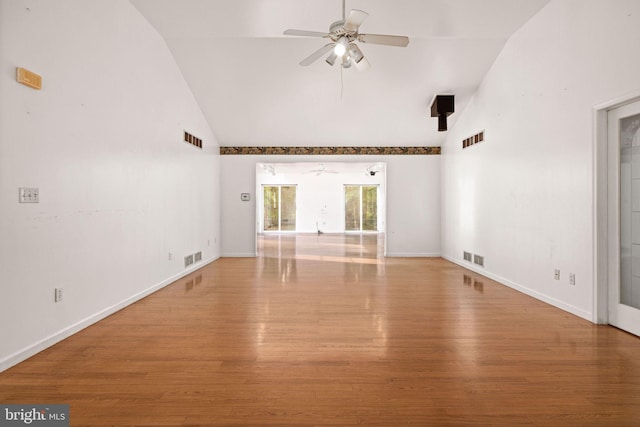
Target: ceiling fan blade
{"type": "Point", "coordinates": [305, 33]}
{"type": "Point", "coordinates": [399, 41]}
{"type": "Point", "coordinates": [355, 19]}
{"type": "Point", "coordinates": [317, 54]}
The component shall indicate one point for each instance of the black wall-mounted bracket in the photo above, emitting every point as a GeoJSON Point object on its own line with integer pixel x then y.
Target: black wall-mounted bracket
{"type": "Point", "coordinates": [442, 107]}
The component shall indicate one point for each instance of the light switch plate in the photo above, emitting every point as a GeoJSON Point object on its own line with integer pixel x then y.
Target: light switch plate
{"type": "Point", "coordinates": [28, 195]}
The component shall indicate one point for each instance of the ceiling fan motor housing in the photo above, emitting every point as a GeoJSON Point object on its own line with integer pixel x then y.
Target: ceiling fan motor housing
{"type": "Point", "coordinates": [337, 31]}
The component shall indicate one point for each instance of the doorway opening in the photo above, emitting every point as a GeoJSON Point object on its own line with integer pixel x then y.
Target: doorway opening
{"type": "Point", "coordinates": [617, 214]}
{"type": "Point", "coordinates": [329, 198]}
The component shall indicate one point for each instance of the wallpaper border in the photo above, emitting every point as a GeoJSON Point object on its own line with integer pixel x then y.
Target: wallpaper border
{"type": "Point", "coordinates": [429, 151]}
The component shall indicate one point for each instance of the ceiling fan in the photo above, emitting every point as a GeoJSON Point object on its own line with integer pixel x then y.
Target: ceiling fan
{"type": "Point", "coordinates": [320, 169]}
{"type": "Point", "coordinates": [344, 34]}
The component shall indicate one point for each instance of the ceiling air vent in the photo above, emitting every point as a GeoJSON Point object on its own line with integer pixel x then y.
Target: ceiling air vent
{"type": "Point", "coordinates": [193, 140]}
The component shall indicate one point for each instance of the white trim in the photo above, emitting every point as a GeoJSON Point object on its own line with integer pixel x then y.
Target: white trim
{"type": "Point", "coordinates": [627, 98]}
{"type": "Point", "coordinates": [535, 294]}
{"type": "Point", "coordinates": [239, 255]}
{"type": "Point", "coordinates": [33, 349]}
{"type": "Point", "coordinates": [413, 255]}
{"type": "Point", "coordinates": [600, 217]}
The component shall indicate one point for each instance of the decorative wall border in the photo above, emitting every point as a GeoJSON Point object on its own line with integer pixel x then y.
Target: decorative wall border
{"type": "Point", "coordinates": [429, 151]}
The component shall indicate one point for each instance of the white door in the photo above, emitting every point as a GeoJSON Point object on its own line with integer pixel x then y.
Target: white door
{"type": "Point", "coordinates": [624, 217]}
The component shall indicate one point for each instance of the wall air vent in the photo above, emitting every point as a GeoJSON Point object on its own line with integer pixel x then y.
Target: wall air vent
{"type": "Point", "coordinates": [474, 139]}
{"type": "Point", "coordinates": [479, 260]}
{"type": "Point", "coordinates": [467, 256]}
{"type": "Point", "coordinates": [193, 140]}
{"type": "Point", "coordinates": [188, 260]}
{"type": "Point", "coordinates": [197, 256]}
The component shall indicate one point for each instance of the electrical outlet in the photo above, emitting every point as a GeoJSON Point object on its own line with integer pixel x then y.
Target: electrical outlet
{"type": "Point", "coordinates": [170, 256]}
{"type": "Point", "coordinates": [58, 294]}
{"type": "Point", "coordinates": [572, 279]}
{"type": "Point", "coordinates": [556, 274]}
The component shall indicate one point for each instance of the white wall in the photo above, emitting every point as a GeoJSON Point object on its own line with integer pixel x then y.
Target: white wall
{"type": "Point", "coordinates": [412, 191]}
{"type": "Point", "coordinates": [524, 197]}
{"type": "Point", "coordinates": [102, 141]}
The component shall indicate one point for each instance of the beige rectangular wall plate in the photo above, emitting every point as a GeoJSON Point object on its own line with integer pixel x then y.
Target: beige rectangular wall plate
{"type": "Point", "coordinates": [28, 78]}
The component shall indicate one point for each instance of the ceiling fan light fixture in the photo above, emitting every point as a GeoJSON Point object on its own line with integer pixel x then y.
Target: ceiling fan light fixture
{"type": "Point", "coordinates": [355, 53]}
{"type": "Point", "coordinates": [341, 47]}
{"type": "Point", "coordinates": [331, 59]}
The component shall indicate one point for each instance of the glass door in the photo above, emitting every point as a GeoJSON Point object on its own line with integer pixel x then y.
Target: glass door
{"type": "Point", "coordinates": [288, 208]}
{"type": "Point", "coordinates": [369, 208]}
{"type": "Point", "coordinates": [361, 207]}
{"type": "Point", "coordinates": [624, 217]}
{"type": "Point", "coordinates": [279, 207]}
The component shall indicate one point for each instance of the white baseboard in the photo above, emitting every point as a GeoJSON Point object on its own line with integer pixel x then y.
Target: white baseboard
{"type": "Point", "coordinates": [520, 288]}
{"type": "Point", "coordinates": [27, 352]}
{"type": "Point", "coordinates": [413, 255]}
{"type": "Point", "coordinates": [239, 255]}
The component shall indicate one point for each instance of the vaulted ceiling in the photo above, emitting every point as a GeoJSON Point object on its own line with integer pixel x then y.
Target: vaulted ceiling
{"type": "Point", "coordinates": [244, 72]}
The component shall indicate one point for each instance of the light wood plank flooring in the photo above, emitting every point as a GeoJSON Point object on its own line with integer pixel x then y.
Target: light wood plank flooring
{"type": "Point", "coordinates": [321, 330]}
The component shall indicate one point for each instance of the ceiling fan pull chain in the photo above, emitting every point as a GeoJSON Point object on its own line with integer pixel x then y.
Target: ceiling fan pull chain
{"type": "Point", "coordinates": [341, 83]}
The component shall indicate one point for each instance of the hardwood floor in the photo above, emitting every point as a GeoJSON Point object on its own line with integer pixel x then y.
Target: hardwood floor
{"type": "Point", "coordinates": [321, 330]}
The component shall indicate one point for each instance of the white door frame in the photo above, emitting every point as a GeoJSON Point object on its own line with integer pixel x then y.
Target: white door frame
{"type": "Point", "coordinates": [601, 204]}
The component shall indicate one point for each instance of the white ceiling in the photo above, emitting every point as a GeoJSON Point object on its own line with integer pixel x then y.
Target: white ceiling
{"type": "Point", "coordinates": [245, 75]}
